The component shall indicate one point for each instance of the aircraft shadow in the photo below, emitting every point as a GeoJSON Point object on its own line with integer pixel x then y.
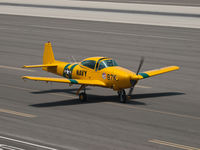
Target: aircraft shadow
{"type": "Point", "coordinates": [99, 99]}
{"type": "Point", "coordinates": [70, 91]}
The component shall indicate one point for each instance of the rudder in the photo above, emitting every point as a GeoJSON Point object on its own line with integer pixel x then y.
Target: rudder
{"type": "Point", "coordinates": [48, 56]}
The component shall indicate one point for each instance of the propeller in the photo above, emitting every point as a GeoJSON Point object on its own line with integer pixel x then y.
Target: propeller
{"type": "Point", "coordinates": [140, 65]}
{"type": "Point", "coordinates": [133, 82]}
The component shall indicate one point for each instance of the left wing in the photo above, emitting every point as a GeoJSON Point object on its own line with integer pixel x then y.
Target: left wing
{"type": "Point", "coordinates": [150, 73]}
{"type": "Point", "coordinates": [64, 80]}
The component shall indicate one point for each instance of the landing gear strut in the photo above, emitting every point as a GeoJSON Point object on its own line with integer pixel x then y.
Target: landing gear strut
{"type": "Point", "coordinates": [82, 95]}
{"type": "Point", "coordinates": [122, 96]}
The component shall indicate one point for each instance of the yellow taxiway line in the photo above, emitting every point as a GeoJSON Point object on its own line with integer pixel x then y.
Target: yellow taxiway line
{"type": "Point", "coordinates": [173, 144]}
{"type": "Point", "coordinates": [17, 113]}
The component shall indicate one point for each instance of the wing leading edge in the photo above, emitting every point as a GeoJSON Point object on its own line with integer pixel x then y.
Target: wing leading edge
{"type": "Point", "coordinates": [63, 80]}
{"type": "Point", "coordinates": [155, 72]}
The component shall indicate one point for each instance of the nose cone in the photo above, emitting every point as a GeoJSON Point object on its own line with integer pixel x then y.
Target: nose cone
{"type": "Point", "coordinates": [123, 72]}
{"type": "Point", "coordinates": [123, 77]}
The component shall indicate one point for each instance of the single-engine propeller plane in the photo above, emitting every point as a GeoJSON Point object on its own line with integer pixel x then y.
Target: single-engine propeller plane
{"type": "Point", "coordinates": [94, 71]}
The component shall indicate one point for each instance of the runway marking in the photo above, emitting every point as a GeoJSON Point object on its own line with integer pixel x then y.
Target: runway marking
{"type": "Point", "coordinates": [15, 68]}
{"type": "Point", "coordinates": [107, 32]}
{"type": "Point", "coordinates": [118, 104]}
{"type": "Point", "coordinates": [32, 90]}
{"type": "Point", "coordinates": [57, 94]}
{"type": "Point", "coordinates": [155, 111]}
{"type": "Point", "coordinates": [17, 113]}
{"type": "Point", "coordinates": [7, 147]}
{"type": "Point", "coordinates": [173, 144]}
{"type": "Point", "coordinates": [144, 87]}
{"type": "Point", "coordinates": [28, 143]}
{"type": "Point", "coordinates": [165, 3]}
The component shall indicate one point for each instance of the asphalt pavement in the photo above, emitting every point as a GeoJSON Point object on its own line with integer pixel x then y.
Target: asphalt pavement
{"type": "Point", "coordinates": [162, 114]}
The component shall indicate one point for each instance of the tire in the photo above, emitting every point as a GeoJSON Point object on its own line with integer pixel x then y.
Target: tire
{"type": "Point", "coordinates": [82, 97]}
{"type": "Point", "coordinates": [122, 95]}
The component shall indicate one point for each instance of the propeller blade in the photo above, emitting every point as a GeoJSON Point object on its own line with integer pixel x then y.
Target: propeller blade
{"type": "Point", "coordinates": [130, 91]}
{"type": "Point", "coordinates": [133, 83]}
{"type": "Point", "coordinates": [140, 65]}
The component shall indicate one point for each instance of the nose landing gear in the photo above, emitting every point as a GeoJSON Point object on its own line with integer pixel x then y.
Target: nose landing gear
{"type": "Point", "coordinates": [122, 96]}
{"type": "Point", "coordinates": [82, 95]}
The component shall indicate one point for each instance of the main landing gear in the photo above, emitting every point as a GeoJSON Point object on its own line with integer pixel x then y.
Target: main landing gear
{"type": "Point", "coordinates": [82, 95]}
{"type": "Point", "coordinates": [122, 96]}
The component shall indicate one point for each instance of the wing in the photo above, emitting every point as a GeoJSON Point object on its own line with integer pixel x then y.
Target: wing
{"type": "Point", "coordinates": [155, 72]}
{"type": "Point", "coordinates": [38, 66]}
{"type": "Point", "coordinates": [64, 80]}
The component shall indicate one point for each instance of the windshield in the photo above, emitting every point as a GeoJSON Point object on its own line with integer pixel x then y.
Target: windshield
{"type": "Point", "coordinates": [107, 63]}
{"type": "Point", "coordinates": [89, 63]}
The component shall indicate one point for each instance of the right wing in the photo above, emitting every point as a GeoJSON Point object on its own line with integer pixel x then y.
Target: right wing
{"type": "Point", "coordinates": [64, 80]}
{"type": "Point", "coordinates": [154, 72]}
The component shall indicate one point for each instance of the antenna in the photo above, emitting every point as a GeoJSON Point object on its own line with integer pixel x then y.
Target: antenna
{"type": "Point", "coordinates": [73, 59]}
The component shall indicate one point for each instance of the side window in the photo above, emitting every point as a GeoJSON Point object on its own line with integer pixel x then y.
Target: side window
{"type": "Point", "coordinates": [89, 63]}
{"type": "Point", "coordinates": [102, 65]}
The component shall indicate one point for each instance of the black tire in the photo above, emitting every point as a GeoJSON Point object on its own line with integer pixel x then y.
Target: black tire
{"type": "Point", "coordinates": [118, 93]}
{"type": "Point", "coordinates": [122, 95]}
{"type": "Point", "coordinates": [82, 97]}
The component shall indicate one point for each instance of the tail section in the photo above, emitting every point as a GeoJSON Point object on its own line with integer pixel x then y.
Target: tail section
{"type": "Point", "coordinates": [48, 59]}
{"type": "Point", "coordinates": [48, 56]}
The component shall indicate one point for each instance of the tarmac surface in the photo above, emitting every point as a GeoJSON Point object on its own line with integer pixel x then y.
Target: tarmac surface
{"type": "Point", "coordinates": [162, 114]}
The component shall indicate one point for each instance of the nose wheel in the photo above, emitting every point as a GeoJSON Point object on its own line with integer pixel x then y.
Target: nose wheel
{"type": "Point", "coordinates": [122, 96]}
{"type": "Point", "coordinates": [82, 97]}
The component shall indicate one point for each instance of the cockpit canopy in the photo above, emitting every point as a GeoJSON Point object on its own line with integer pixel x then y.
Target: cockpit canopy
{"type": "Point", "coordinates": [99, 63]}
{"type": "Point", "coordinates": [89, 63]}
{"type": "Point", "coordinates": [107, 63]}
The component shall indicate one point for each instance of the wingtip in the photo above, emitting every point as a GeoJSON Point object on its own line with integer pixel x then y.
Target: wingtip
{"type": "Point", "coordinates": [24, 77]}
{"type": "Point", "coordinates": [176, 67]}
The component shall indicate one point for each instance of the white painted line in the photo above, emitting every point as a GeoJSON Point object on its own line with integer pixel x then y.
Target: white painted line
{"type": "Point", "coordinates": [148, 14]}
{"type": "Point", "coordinates": [163, 3]}
{"type": "Point", "coordinates": [180, 146]}
{"type": "Point", "coordinates": [17, 113]}
{"type": "Point", "coordinates": [28, 143]}
{"type": "Point", "coordinates": [15, 68]}
{"type": "Point", "coordinates": [7, 147]}
{"type": "Point", "coordinates": [144, 87]}
{"type": "Point", "coordinates": [105, 5]}
{"type": "Point", "coordinates": [33, 90]}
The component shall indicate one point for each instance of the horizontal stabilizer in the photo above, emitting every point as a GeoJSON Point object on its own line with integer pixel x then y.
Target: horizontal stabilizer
{"type": "Point", "coordinates": [38, 66]}
{"type": "Point", "coordinates": [150, 73]}
{"type": "Point", "coordinates": [64, 80]}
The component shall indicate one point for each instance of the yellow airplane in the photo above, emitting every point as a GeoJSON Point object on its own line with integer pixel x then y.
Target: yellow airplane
{"type": "Point", "coordinates": [94, 71]}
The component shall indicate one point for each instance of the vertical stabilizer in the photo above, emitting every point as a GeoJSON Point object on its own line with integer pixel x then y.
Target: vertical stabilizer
{"type": "Point", "coordinates": [48, 56]}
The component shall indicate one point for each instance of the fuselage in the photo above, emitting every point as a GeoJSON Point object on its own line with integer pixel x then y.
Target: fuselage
{"type": "Point", "coordinates": [94, 68]}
